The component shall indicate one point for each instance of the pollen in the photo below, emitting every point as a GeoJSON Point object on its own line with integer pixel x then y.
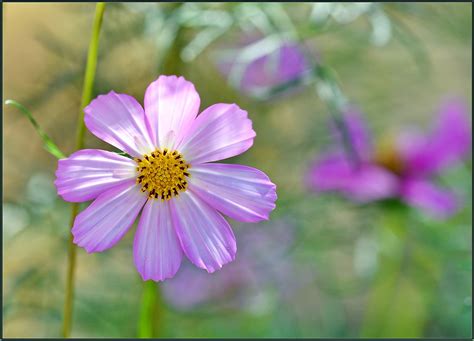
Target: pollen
{"type": "Point", "coordinates": [162, 174]}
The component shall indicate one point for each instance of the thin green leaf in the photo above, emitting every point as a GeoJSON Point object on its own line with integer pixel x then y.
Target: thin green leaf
{"type": "Point", "coordinates": [48, 144]}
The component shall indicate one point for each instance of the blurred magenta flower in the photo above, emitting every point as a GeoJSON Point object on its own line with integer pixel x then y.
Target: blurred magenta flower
{"type": "Point", "coordinates": [271, 64]}
{"type": "Point", "coordinates": [401, 168]}
{"type": "Point", "coordinates": [170, 177]}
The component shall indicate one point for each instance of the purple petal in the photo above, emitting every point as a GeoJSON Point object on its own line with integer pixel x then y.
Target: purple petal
{"type": "Point", "coordinates": [358, 133]}
{"type": "Point", "coordinates": [422, 194]}
{"type": "Point", "coordinates": [277, 67]}
{"type": "Point", "coordinates": [87, 173]}
{"type": "Point", "coordinates": [205, 236]}
{"type": "Point", "coordinates": [156, 249]}
{"type": "Point", "coordinates": [102, 224]}
{"type": "Point", "coordinates": [219, 132]}
{"type": "Point", "coordinates": [364, 183]}
{"type": "Point", "coordinates": [119, 119]}
{"type": "Point", "coordinates": [243, 193]}
{"type": "Point", "coordinates": [449, 142]}
{"type": "Point", "coordinates": [171, 105]}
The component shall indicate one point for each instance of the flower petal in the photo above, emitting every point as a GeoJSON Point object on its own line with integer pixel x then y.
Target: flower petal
{"type": "Point", "coordinates": [156, 249]}
{"type": "Point", "coordinates": [363, 183]}
{"type": "Point", "coordinates": [171, 105]}
{"type": "Point", "coordinates": [278, 66]}
{"type": "Point", "coordinates": [243, 193]}
{"type": "Point", "coordinates": [449, 142]}
{"type": "Point", "coordinates": [286, 63]}
{"type": "Point", "coordinates": [102, 224]}
{"type": "Point", "coordinates": [119, 119]}
{"type": "Point", "coordinates": [205, 236]}
{"type": "Point", "coordinates": [438, 203]}
{"type": "Point", "coordinates": [219, 132]}
{"type": "Point", "coordinates": [87, 173]}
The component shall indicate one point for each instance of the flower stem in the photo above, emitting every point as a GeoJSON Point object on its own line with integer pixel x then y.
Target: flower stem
{"type": "Point", "coordinates": [67, 318]}
{"type": "Point", "coordinates": [149, 312]}
{"type": "Point", "coordinates": [90, 72]}
{"type": "Point", "coordinates": [81, 129]}
{"type": "Point", "coordinates": [329, 91]}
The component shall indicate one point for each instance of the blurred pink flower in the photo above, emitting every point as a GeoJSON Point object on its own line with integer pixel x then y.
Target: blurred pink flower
{"type": "Point", "coordinates": [402, 168]}
{"type": "Point", "coordinates": [170, 178]}
{"type": "Point", "coordinates": [269, 70]}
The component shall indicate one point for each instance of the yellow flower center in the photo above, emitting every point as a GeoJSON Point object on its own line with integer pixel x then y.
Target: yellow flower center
{"type": "Point", "coordinates": [162, 174]}
{"type": "Point", "coordinates": [387, 156]}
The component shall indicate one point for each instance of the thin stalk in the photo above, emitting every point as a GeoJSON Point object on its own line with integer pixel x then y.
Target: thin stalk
{"type": "Point", "coordinates": [341, 126]}
{"type": "Point", "coordinates": [331, 94]}
{"type": "Point", "coordinates": [89, 76]}
{"type": "Point", "coordinates": [80, 133]}
{"type": "Point", "coordinates": [71, 265]}
{"type": "Point", "coordinates": [150, 311]}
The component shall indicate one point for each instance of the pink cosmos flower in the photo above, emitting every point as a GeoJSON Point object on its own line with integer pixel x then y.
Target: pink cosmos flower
{"type": "Point", "coordinates": [270, 70]}
{"type": "Point", "coordinates": [403, 168]}
{"type": "Point", "coordinates": [170, 179]}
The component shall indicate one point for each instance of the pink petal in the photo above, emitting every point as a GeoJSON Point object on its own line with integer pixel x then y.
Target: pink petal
{"type": "Point", "coordinates": [87, 173]}
{"type": "Point", "coordinates": [243, 193]}
{"type": "Point", "coordinates": [275, 68]}
{"type": "Point", "coordinates": [449, 142]}
{"type": "Point", "coordinates": [435, 201]}
{"type": "Point", "coordinates": [219, 132]}
{"type": "Point", "coordinates": [363, 183]}
{"type": "Point", "coordinates": [171, 104]}
{"type": "Point", "coordinates": [156, 249]}
{"type": "Point", "coordinates": [119, 119]}
{"type": "Point", "coordinates": [205, 236]}
{"type": "Point", "coordinates": [102, 224]}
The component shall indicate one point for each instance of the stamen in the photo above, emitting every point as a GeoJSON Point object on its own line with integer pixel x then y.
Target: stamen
{"type": "Point", "coordinates": [162, 174]}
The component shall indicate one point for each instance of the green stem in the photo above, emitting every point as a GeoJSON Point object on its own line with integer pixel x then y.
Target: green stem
{"type": "Point", "coordinates": [67, 318]}
{"type": "Point", "coordinates": [89, 76]}
{"type": "Point", "coordinates": [406, 280]}
{"type": "Point", "coordinates": [336, 102]}
{"type": "Point", "coordinates": [81, 129]}
{"type": "Point", "coordinates": [149, 313]}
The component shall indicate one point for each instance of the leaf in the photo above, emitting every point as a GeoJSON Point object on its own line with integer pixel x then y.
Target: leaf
{"type": "Point", "coordinates": [48, 144]}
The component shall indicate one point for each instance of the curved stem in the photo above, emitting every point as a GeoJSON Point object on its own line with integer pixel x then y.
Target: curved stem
{"type": "Point", "coordinates": [89, 76]}
{"type": "Point", "coordinates": [329, 91]}
{"type": "Point", "coordinates": [81, 129]}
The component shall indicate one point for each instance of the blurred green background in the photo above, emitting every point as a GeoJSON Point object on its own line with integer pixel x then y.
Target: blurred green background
{"type": "Point", "coordinates": [343, 270]}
